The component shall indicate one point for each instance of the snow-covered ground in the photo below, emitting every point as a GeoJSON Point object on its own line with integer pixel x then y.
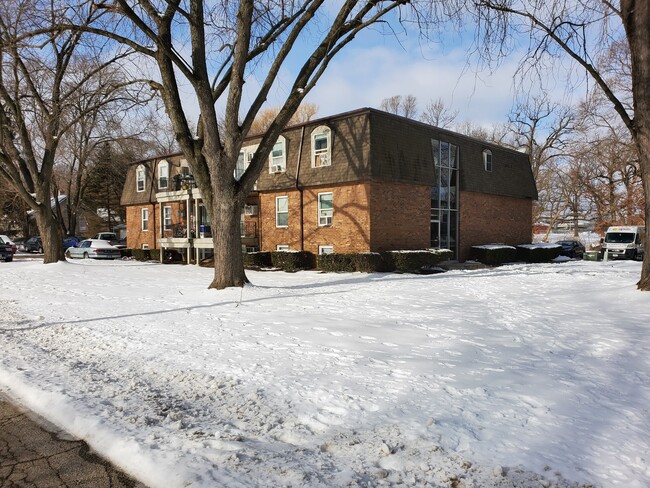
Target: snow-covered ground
{"type": "Point", "coordinates": [524, 375]}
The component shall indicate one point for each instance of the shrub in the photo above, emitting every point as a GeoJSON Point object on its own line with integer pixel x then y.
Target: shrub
{"type": "Point", "coordinates": [292, 260]}
{"type": "Point", "coordinates": [362, 262]}
{"type": "Point", "coordinates": [494, 254]}
{"type": "Point", "coordinates": [257, 259]}
{"type": "Point", "coordinates": [141, 254]}
{"type": "Point", "coordinates": [538, 253]}
{"type": "Point", "coordinates": [154, 255]}
{"type": "Point", "coordinates": [126, 253]}
{"type": "Point", "coordinates": [411, 261]}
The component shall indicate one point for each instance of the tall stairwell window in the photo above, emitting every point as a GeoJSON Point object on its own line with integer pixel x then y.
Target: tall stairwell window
{"type": "Point", "coordinates": [444, 196]}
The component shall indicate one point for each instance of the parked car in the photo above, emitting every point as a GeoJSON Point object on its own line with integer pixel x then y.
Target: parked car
{"type": "Point", "coordinates": [6, 240]}
{"type": "Point", "coordinates": [71, 241]}
{"type": "Point", "coordinates": [33, 244]}
{"type": "Point", "coordinates": [94, 248]}
{"type": "Point", "coordinates": [6, 253]}
{"type": "Point", "coordinates": [572, 249]}
{"type": "Point", "coordinates": [112, 238]}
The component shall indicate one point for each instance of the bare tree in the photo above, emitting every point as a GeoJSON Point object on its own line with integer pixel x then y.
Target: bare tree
{"type": "Point", "coordinates": [106, 109]}
{"type": "Point", "coordinates": [305, 112]}
{"type": "Point", "coordinates": [437, 113]}
{"type": "Point", "coordinates": [213, 47]}
{"type": "Point", "coordinates": [45, 71]}
{"type": "Point", "coordinates": [405, 106]}
{"type": "Point", "coordinates": [584, 32]}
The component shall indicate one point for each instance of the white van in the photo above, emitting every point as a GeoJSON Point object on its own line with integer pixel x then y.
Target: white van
{"type": "Point", "coordinates": [624, 242]}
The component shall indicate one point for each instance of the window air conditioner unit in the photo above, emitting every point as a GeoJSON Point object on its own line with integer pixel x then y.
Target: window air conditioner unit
{"type": "Point", "coordinates": [250, 210]}
{"type": "Point", "coordinates": [323, 160]}
{"type": "Point", "coordinates": [277, 168]}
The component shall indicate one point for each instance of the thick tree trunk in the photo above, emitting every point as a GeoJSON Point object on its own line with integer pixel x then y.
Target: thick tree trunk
{"type": "Point", "coordinates": [226, 237]}
{"type": "Point", "coordinates": [643, 144]}
{"type": "Point", "coordinates": [636, 19]}
{"type": "Point", "coordinates": [51, 236]}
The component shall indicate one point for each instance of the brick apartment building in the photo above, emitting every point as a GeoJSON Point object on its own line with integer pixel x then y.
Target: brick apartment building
{"type": "Point", "coordinates": [361, 181]}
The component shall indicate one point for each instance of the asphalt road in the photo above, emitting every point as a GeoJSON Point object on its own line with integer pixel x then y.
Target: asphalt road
{"type": "Point", "coordinates": [35, 454]}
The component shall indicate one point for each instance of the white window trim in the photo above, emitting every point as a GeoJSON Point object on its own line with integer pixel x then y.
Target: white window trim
{"type": "Point", "coordinates": [322, 250]}
{"type": "Point", "coordinates": [167, 219]}
{"type": "Point", "coordinates": [487, 160]}
{"type": "Point", "coordinates": [282, 247]}
{"type": "Point", "coordinates": [322, 219]}
{"type": "Point", "coordinates": [163, 173]}
{"type": "Point", "coordinates": [144, 219]}
{"type": "Point", "coordinates": [141, 171]}
{"type": "Point", "coordinates": [320, 130]}
{"type": "Point", "coordinates": [248, 153]}
{"type": "Point", "coordinates": [277, 213]}
{"type": "Point", "coordinates": [279, 161]}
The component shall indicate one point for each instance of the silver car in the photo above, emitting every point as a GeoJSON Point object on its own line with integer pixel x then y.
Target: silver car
{"type": "Point", "coordinates": [93, 248]}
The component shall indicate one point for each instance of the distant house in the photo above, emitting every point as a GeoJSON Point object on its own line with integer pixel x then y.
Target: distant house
{"type": "Point", "coordinates": [362, 181]}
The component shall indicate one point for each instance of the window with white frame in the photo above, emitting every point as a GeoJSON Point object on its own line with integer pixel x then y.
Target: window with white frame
{"type": "Point", "coordinates": [321, 150]}
{"type": "Point", "coordinates": [145, 246]}
{"type": "Point", "coordinates": [325, 249]}
{"type": "Point", "coordinates": [140, 177]}
{"type": "Point", "coordinates": [167, 218]}
{"type": "Point", "coordinates": [163, 175]}
{"type": "Point", "coordinates": [244, 160]}
{"type": "Point", "coordinates": [145, 218]}
{"type": "Point", "coordinates": [325, 209]}
{"type": "Point", "coordinates": [487, 159]}
{"type": "Point", "coordinates": [281, 211]}
{"type": "Point", "coordinates": [282, 247]}
{"type": "Point", "coordinates": [278, 156]}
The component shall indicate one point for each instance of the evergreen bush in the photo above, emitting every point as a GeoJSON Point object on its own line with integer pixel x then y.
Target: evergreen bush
{"type": "Point", "coordinates": [494, 254]}
{"type": "Point", "coordinates": [538, 253]}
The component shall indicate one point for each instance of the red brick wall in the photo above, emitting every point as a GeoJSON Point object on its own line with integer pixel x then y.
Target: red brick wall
{"type": "Point", "coordinates": [350, 229]}
{"type": "Point", "coordinates": [135, 236]}
{"type": "Point", "coordinates": [271, 235]}
{"type": "Point", "coordinates": [401, 216]}
{"type": "Point", "coordinates": [486, 219]}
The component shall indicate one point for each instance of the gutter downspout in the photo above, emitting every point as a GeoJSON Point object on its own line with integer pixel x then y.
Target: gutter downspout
{"type": "Point", "coordinates": [298, 187]}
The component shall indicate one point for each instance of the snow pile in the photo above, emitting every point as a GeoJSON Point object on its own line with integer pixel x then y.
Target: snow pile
{"type": "Point", "coordinates": [524, 375]}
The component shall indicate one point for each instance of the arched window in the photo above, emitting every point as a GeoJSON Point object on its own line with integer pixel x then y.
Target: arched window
{"type": "Point", "coordinates": [487, 160]}
{"type": "Point", "coordinates": [278, 156]}
{"type": "Point", "coordinates": [321, 147]}
{"type": "Point", "coordinates": [140, 177]}
{"type": "Point", "coordinates": [163, 175]}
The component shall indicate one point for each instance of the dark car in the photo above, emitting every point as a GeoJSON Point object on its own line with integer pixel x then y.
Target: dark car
{"type": "Point", "coordinates": [33, 244]}
{"type": "Point", "coordinates": [71, 241]}
{"type": "Point", "coordinates": [572, 249]}
{"type": "Point", "coordinates": [6, 253]}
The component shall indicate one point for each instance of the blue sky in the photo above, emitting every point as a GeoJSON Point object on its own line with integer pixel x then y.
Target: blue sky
{"type": "Point", "coordinates": [376, 66]}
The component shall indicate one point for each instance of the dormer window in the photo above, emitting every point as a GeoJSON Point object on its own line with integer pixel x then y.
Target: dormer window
{"type": "Point", "coordinates": [321, 147]}
{"type": "Point", "coordinates": [487, 160]}
{"type": "Point", "coordinates": [278, 156]}
{"type": "Point", "coordinates": [140, 177]}
{"type": "Point", "coordinates": [244, 160]}
{"type": "Point", "coordinates": [163, 175]}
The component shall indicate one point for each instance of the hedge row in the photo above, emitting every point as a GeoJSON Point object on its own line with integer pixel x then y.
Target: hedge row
{"type": "Point", "coordinates": [142, 254]}
{"type": "Point", "coordinates": [406, 261]}
{"type": "Point", "coordinates": [494, 254]}
{"type": "Point", "coordinates": [529, 253]}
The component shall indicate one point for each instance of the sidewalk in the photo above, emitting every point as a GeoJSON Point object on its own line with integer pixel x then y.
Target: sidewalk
{"type": "Point", "coordinates": [37, 455]}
